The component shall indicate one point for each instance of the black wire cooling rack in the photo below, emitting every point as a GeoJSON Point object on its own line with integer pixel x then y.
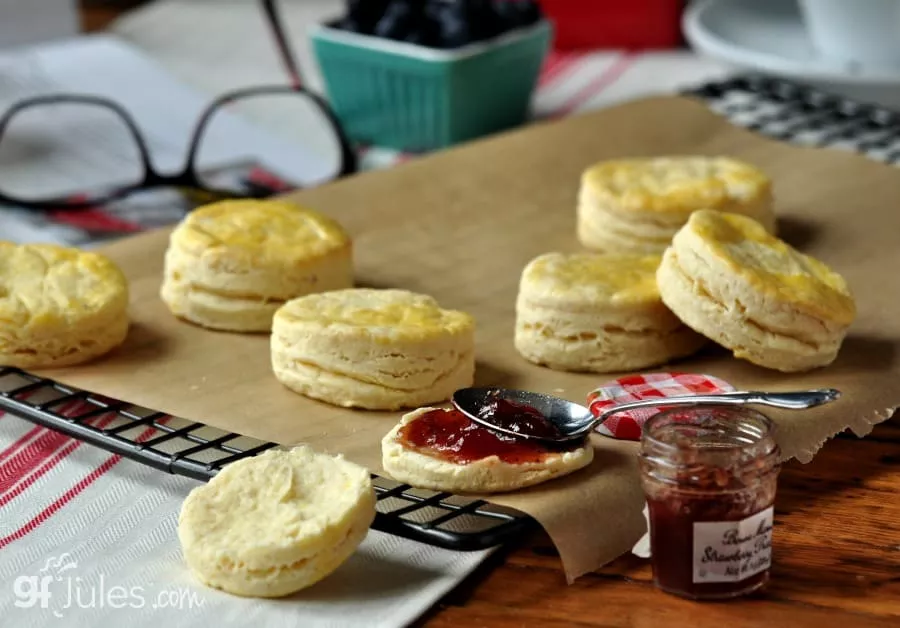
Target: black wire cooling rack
{"type": "Point", "coordinates": [772, 107]}
{"type": "Point", "coordinates": [200, 451]}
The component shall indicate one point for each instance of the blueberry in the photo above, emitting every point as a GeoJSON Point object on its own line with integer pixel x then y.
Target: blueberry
{"type": "Point", "coordinates": [366, 13]}
{"type": "Point", "coordinates": [517, 13]}
{"type": "Point", "coordinates": [483, 19]}
{"type": "Point", "coordinates": [454, 24]}
{"type": "Point", "coordinates": [400, 20]}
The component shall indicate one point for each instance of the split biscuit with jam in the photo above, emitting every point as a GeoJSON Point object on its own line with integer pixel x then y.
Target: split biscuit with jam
{"type": "Point", "coordinates": [230, 265]}
{"type": "Point", "coordinates": [597, 312]}
{"type": "Point", "coordinates": [637, 205]}
{"type": "Point", "coordinates": [729, 279]}
{"type": "Point", "coordinates": [443, 450]}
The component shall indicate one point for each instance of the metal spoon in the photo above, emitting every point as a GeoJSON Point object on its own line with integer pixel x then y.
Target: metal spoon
{"type": "Point", "coordinates": [574, 421]}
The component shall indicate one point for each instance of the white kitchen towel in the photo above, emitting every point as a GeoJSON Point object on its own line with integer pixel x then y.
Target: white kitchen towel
{"type": "Point", "coordinates": [88, 539]}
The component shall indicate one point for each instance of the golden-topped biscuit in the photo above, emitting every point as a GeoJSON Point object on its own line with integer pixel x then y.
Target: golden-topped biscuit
{"type": "Point", "coordinates": [637, 205]}
{"type": "Point", "coordinates": [773, 266]}
{"type": "Point", "coordinates": [391, 313]}
{"type": "Point", "coordinates": [677, 184]}
{"type": "Point", "coordinates": [597, 312]}
{"type": "Point", "coordinates": [617, 278]}
{"type": "Point", "coordinates": [376, 349]}
{"type": "Point", "coordinates": [262, 230]}
{"type": "Point", "coordinates": [231, 264]}
{"type": "Point", "coordinates": [58, 306]}
{"type": "Point", "coordinates": [729, 279]}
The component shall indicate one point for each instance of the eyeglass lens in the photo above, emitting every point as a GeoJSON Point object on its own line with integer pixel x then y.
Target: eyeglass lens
{"type": "Point", "coordinates": [294, 136]}
{"type": "Point", "coordinates": [60, 149]}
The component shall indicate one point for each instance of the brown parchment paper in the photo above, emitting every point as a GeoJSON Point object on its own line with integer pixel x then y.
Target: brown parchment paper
{"type": "Point", "coordinates": [460, 225]}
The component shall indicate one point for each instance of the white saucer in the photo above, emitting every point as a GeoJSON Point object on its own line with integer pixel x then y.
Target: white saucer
{"type": "Point", "coordinates": [768, 36]}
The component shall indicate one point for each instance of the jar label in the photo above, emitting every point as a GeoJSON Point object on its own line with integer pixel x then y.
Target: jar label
{"type": "Point", "coordinates": [731, 551]}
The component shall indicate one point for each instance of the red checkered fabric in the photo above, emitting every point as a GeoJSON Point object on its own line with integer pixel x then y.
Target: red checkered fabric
{"type": "Point", "coordinates": [627, 425]}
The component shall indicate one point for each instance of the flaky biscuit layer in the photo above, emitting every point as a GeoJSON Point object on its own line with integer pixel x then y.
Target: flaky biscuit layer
{"type": "Point", "coordinates": [597, 313]}
{"type": "Point", "coordinates": [378, 349]}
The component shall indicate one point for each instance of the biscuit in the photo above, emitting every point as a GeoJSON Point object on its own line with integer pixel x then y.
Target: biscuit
{"type": "Point", "coordinates": [230, 265]}
{"type": "Point", "coordinates": [59, 306]}
{"type": "Point", "coordinates": [431, 469]}
{"type": "Point", "coordinates": [276, 523]}
{"type": "Point", "coordinates": [728, 278]}
{"type": "Point", "coordinates": [637, 205]}
{"type": "Point", "coordinates": [374, 349]}
{"type": "Point", "coordinates": [597, 312]}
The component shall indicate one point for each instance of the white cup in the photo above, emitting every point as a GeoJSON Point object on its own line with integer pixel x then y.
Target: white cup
{"type": "Point", "coordinates": [864, 32]}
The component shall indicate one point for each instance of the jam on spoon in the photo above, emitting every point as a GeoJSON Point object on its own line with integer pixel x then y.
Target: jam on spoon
{"type": "Point", "coordinates": [451, 435]}
{"type": "Point", "coordinates": [518, 417]}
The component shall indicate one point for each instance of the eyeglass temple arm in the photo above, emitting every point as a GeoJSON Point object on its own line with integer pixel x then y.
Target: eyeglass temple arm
{"type": "Point", "coordinates": [284, 49]}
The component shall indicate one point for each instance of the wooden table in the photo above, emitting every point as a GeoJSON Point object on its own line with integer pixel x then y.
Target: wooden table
{"type": "Point", "coordinates": [836, 561]}
{"type": "Point", "coordinates": [836, 549]}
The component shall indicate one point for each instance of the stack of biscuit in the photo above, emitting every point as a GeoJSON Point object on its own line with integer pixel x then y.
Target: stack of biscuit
{"type": "Point", "coordinates": [231, 265]}
{"type": "Point", "coordinates": [637, 205]}
{"type": "Point", "coordinates": [374, 349]}
{"type": "Point", "coordinates": [59, 306]}
{"type": "Point", "coordinates": [686, 251]}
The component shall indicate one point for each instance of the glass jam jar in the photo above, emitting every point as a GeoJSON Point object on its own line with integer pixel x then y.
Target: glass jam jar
{"type": "Point", "coordinates": [709, 474]}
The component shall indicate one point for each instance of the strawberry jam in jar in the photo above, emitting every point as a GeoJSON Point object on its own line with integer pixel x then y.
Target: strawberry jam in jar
{"type": "Point", "coordinates": [709, 474]}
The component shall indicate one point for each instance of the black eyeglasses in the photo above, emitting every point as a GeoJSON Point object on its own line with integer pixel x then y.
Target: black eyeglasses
{"type": "Point", "coordinates": [92, 114]}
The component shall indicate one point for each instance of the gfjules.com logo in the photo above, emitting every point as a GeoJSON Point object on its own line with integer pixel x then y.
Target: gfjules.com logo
{"type": "Point", "coordinates": [57, 588]}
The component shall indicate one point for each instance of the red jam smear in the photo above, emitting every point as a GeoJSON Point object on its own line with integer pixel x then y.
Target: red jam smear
{"type": "Point", "coordinates": [451, 435]}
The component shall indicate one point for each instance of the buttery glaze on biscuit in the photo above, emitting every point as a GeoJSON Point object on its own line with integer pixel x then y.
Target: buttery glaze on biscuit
{"type": "Point", "coordinates": [59, 306]}
{"type": "Point", "coordinates": [615, 278]}
{"type": "Point", "coordinates": [773, 266]}
{"type": "Point", "coordinates": [260, 231]}
{"type": "Point", "coordinates": [389, 314]}
{"type": "Point", "coordinates": [677, 184]}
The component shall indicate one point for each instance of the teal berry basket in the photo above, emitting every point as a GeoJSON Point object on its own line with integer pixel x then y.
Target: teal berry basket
{"type": "Point", "coordinates": [409, 97]}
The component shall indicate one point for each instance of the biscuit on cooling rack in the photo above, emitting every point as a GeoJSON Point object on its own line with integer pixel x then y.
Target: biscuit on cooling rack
{"type": "Point", "coordinates": [230, 265]}
{"type": "Point", "coordinates": [597, 312]}
{"type": "Point", "coordinates": [59, 306]}
{"type": "Point", "coordinates": [375, 349]}
{"type": "Point", "coordinates": [637, 205]}
{"type": "Point", "coordinates": [276, 523]}
{"type": "Point", "coordinates": [728, 278]}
